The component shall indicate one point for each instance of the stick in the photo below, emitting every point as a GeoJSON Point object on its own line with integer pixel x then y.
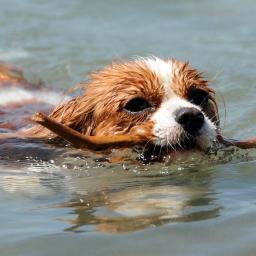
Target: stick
{"type": "Point", "coordinates": [79, 140]}
{"type": "Point", "coordinates": [243, 144]}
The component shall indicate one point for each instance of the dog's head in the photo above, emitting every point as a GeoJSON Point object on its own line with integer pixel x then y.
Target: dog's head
{"type": "Point", "coordinates": [169, 99]}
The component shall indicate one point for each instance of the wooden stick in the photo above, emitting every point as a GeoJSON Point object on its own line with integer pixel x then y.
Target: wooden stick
{"type": "Point", "coordinates": [243, 144]}
{"type": "Point", "coordinates": [79, 140]}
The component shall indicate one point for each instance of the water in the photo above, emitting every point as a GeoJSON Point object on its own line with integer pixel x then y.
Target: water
{"type": "Point", "coordinates": [61, 201]}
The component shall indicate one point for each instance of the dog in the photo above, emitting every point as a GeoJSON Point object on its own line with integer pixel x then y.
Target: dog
{"type": "Point", "coordinates": [168, 98]}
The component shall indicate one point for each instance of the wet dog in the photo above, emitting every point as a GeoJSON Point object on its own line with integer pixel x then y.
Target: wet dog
{"type": "Point", "coordinates": [167, 98]}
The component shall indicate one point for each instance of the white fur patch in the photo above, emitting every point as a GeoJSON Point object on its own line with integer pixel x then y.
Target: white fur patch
{"type": "Point", "coordinates": [207, 134]}
{"type": "Point", "coordinates": [168, 132]}
{"type": "Point", "coordinates": [18, 95]}
{"type": "Point", "coordinates": [163, 70]}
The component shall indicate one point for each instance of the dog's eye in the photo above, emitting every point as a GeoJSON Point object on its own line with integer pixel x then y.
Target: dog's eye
{"type": "Point", "coordinates": [198, 97]}
{"type": "Point", "coordinates": [137, 105]}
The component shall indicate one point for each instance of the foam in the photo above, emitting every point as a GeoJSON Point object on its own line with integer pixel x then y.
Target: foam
{"type": "Point", "coordinates": [13, 95]}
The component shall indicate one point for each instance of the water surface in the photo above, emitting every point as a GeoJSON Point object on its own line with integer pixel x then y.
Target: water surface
{"type": "Point", "coordinates": [60, 201]}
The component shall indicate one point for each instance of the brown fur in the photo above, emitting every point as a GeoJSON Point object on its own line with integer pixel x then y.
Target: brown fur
{"type": "Point", "coordinates": [186, 78]}
{"type": "Point", "coordinates": [98, 110]}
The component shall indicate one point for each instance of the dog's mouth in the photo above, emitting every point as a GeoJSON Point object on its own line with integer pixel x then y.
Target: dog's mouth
{"type": "Point", "coordinates": [201, 141]}
{"type": "Point", "coordinates": [156, 152]}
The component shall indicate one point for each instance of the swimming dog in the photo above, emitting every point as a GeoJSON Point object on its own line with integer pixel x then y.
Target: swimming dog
{"type": "Point", "coordinates": [167, 103]}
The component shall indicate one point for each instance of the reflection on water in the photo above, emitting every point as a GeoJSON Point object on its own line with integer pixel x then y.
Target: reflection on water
{"type": "Point", "coordinates": [114, 191]}
{"type": "Point", "coordinates": [138, 208]}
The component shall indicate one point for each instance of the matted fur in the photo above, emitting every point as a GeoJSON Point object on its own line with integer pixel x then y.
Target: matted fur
{"type": "Point", "coordinates": [99, 109]}
{"type": "Point", "coordinates": [187, 77]}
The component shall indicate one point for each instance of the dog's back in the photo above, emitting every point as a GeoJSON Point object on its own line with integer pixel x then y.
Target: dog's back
{"type": "Point", "coordinates": [20, 99]}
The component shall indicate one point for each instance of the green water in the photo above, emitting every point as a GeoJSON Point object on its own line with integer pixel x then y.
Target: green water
{"type": "Point", "coordinates": [61, 201]}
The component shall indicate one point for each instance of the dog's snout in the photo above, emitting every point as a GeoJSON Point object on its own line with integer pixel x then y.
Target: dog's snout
{"type": "Point", "coordinates": [191, 119]}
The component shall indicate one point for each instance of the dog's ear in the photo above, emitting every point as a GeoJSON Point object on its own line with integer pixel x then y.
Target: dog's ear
{"type": "Point", "coordinates": [76, 113]}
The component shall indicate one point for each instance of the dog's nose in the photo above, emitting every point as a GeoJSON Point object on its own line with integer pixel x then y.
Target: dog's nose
{"type": "Point", "coordinates": [191, 119]}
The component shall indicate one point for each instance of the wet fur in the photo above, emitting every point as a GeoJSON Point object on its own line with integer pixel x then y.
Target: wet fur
{"type": "Point", "coordinates": [98, 111]}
